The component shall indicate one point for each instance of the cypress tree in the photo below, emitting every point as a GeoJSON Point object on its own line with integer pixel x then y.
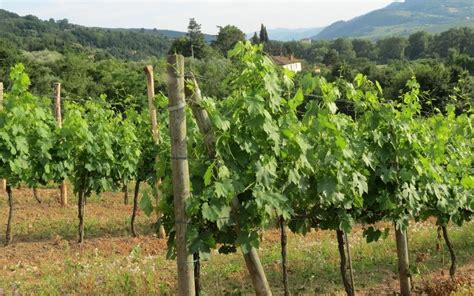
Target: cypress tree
{"type": "Point", "coordinates": [263, 34]}
{"type": "Point", "coordinates": [255, 39]}
{"type": "Point", "coordinates": [266, 34]}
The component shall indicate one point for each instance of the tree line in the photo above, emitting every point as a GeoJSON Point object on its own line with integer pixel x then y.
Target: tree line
{"type": "Point", "coordinates": [442, 63]}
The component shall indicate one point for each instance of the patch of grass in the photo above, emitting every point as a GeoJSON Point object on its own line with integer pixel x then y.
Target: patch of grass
{"type": "Point", "coordinates": [102, 218]}
{"type": "Point", "coordinates": [112, 263]}
{"type": "Point", "coordinates": [314, 263]}
{"type": "Point", "coordinates": [466, 290]}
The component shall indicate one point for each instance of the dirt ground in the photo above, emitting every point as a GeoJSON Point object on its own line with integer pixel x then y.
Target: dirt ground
{"type": "Point", "coordinates": [45, 237]}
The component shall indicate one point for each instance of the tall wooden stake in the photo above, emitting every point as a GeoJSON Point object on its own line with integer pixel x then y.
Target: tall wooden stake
{"type": "Point", "coordinates": [3, 182]}
{"type": "Point", "coordinates": [155, 133]}
{"type": "Point", "coordinates": [403, 262]}
{"type": "Point", "coordinates": [58, 115]}
{"type": "Point", "coordinates": [252, 260]}
{"type": "Point", "coordinates": [180, 171]}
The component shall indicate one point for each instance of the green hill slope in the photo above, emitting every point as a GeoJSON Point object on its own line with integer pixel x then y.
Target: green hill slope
{"type": "Point", "coordinates": [404, 18]}
{"type": "Point", "coordinates": [32, 34]}
{"type": "Point", "coordinates": [172, 34]}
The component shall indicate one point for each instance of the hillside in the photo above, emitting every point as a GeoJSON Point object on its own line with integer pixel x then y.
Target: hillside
{"type": "Point", "coordinates": [172, 34]}
{"type": "Point", "coordinates": [32, 34]}
{"type": "Point", "coordinates": [404, 18]}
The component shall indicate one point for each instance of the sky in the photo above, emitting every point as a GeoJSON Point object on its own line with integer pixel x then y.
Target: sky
{"type": "Point", "coordinates": [175, 15]}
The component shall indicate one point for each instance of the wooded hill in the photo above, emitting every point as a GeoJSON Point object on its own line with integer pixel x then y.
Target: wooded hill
{"type": "Point", "coordinates": [32, 34]}
{"type": "Point", "coordinates": [171, 34]}
{"type": "Point", "coordinates": [404, 18]}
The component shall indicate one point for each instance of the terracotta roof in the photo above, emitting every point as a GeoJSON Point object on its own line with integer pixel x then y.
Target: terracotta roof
{"type": "Point", "coordinates": [283, 60]}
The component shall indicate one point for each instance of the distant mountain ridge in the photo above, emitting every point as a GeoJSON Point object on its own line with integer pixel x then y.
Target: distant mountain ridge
{"type": "Point", "coordinates": [172, 34]}
{"type": "Point", "coordinates": [287, 34]}
{"type": "Point", "coordinates": [404, 18]}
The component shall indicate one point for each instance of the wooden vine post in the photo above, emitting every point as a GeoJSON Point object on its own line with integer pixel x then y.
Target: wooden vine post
{"type": "Point", "coordinates": [403, 261]}
{"type": "Point", "coordinates": [180, 171]}
{"type": "Point", "coordinates": [252, 260]}
{"type": "Point", "coordinates": [58, 115]}
{"type": "Point", "coordinates": [3, 182]}
{"type": "Point", "coordinates": [150, 83]}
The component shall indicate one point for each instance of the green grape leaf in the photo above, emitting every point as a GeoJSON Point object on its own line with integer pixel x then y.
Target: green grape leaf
{"type": "Point", "coordinates": [145, 203]}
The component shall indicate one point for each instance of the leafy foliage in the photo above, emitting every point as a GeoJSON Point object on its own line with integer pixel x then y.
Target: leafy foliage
{"type": "Point", "coordinates": [321, 167]}
{"type": "Point", "coordinates": [29, 136]}
{"type": "Point", "coordinates": [227, 37]}
{"type": "Point", "coordinates": [90, 134]}
{"type": "Point", "coordinates": [282, 149]}
{"type": "Point", "coordinates": [450, 186]}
